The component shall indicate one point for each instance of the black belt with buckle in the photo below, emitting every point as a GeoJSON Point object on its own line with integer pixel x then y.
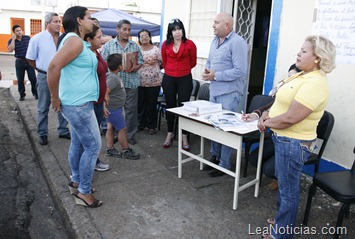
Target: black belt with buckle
{"type": "Point", "coordinates": [40, 71]}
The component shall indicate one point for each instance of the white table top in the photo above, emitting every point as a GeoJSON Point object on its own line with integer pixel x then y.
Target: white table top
{"type": "Point", "coordinates": [242, 129]}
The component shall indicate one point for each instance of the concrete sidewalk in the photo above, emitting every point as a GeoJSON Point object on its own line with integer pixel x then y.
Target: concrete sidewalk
{"type": "Point", "coordinates": [145, 198]}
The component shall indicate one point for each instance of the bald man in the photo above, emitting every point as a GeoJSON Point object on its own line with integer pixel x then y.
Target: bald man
{"type": "Point", "coordinates": [226, 69]}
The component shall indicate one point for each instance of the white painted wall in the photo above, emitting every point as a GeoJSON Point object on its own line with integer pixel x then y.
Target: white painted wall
{"type": "Point", "coordinates": [294, 29]}
{"type": "Point", "coordinates": [24, 9]}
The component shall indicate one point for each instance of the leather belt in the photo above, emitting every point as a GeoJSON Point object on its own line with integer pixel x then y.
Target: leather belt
{"type": "Point", "coordinates": [21, 59]}
{"type": "Point", "coordinates": [40, 71]}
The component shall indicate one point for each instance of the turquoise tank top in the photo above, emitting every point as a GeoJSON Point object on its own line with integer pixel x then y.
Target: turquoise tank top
{"type": "Point", "coordinates": [78, 80]}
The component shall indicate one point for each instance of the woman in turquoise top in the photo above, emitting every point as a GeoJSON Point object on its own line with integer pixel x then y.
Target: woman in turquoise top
{"type": "Point", "coordinates": [73, 84]}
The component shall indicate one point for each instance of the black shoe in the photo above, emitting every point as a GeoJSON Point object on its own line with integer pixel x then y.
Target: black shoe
{"type": "Point", "coordinates": [43, 140]}
{"type": "Point", "coordinates": [216, 173]}
{"type": "Point", "coordinates": [36, 97]}
{"type": "Point", "coordinates": [132, 141]}
{"type": "Point", "coordinates": [65, 136]}
{"type": "Point", "coordinates": [213, 160]}
{"type": "Point", "coordinates": [22, 98]}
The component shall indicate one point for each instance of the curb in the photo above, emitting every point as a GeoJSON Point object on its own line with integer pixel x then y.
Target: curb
{"type": "Point", "coordinates": [77, 220]}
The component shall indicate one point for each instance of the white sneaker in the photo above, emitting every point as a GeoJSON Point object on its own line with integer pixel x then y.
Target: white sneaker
{"type": "Point", "coordinates": [100, 166]}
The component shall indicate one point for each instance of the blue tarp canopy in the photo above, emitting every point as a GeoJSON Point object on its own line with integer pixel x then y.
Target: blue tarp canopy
{"type": "Point", "coordinates": [108, 21]}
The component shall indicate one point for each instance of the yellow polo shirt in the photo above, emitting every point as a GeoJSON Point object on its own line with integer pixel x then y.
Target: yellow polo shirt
{"type": "Point", "coordinates": [310, 90]}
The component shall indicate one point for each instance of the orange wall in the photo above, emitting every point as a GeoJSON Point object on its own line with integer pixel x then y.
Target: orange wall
{"type": "Point", "coordinates": [3, 42]}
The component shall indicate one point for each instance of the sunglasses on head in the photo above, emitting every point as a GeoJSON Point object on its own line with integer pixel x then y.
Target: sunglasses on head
{"type": "Point", "coordinates": [175, 20]}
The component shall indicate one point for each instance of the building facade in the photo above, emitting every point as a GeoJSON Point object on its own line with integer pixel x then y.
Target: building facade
{"type": "Point", "coordinates": [29, 13]}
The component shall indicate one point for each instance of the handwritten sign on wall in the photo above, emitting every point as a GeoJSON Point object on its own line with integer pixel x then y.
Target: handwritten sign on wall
{"type": "Point", "coordinates": [335, 19]}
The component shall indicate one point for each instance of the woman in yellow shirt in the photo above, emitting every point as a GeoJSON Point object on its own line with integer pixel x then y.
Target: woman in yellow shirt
{"type": "Point", "coordinates": [299, 105]}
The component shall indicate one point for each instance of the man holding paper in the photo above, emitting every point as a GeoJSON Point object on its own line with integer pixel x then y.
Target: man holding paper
{"type": "Point", "coordinates": [226, 69]}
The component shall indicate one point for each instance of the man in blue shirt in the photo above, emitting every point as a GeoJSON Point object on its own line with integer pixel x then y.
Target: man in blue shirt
{"type": "Point", "coordinates": [19, 44]}
{"type": "Point", "coordinates": [226, 69]}
{"type": "Point", "coordinates": [41, 50]}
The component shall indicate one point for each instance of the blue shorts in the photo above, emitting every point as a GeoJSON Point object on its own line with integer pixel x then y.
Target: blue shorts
{"type": "Point", "coordinates": [116, 118]}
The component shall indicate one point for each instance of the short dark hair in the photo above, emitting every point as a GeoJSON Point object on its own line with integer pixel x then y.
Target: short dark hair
{"type": "Point", "coordinates": [149, 34]}
{"type": "Point", "coordinates": [175, 23]}
{"type": "Point", "coordinates": [114, 61]}
{"type": "Point", "coordinates": [123, 21]}
{"type": "Point", "coordinates": [14, 27]}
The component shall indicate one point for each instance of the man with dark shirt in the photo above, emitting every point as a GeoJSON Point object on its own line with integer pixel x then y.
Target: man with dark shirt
{"type": "Point", "coordinates": [19, 44]}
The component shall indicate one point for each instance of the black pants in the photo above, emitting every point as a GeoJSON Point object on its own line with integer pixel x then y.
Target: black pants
{"type": "Point", "coordinates": [22, 66]}
{"type": "Point", "coordinates": [176, 90]}
{"type": "Point", "coordinates": [147, 106]}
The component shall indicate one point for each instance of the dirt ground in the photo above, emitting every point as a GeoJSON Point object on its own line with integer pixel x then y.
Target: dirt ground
{"type": "Point", "coordinates": [27, 209]}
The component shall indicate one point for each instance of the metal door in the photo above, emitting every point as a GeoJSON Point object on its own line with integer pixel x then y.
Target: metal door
{"type": "Point", "coordinates": [244, 13]}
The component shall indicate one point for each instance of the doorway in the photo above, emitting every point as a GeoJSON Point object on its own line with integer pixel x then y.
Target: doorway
{"type": "Point", "coordinates": [252, 23]}
{"type": "Point", "coordinates": [259, 49]}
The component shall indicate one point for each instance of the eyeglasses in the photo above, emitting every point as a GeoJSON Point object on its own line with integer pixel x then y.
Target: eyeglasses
{"type": "Point", "coordinates": [175, 20]}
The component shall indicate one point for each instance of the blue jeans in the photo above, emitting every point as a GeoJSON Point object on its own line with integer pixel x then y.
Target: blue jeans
{"type": "Point", "coordinates": [222, 152]}
{"type": "Point", "coordinates": [290, 155]}
{"type": "Point", "coordinates": [44, 101]}
{"type": "Point", "coordinates": [22, 66]}
{"type": "Point", "coordinates": [85, 144]}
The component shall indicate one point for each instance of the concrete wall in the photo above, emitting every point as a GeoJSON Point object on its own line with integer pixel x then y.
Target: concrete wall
{"type": "Point", "coordinates": [293, 30]}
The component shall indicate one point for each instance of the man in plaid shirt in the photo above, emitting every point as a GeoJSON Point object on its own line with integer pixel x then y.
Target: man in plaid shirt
{"type": "Point", "coordinates": [121, 45]}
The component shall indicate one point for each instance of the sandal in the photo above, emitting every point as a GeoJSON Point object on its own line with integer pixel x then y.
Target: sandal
{"type": "Point", "coordinates": [80, 201]}
{"type": "Point", "coordinates": [73, 190]}
{"type": "Point", "coordinates": [168, 143]}
{"type": "Point", "coordinates": [186, 147]}
{"type": "Point", "coordinates": [270, 221]}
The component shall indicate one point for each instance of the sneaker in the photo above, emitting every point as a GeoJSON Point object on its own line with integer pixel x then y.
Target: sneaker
{"type": "Point", "coordinates": [113, 153]}
{"type": "Point", "coordinates": [100, 166]}
{"type": "Point", "coordinates": [129, 154]}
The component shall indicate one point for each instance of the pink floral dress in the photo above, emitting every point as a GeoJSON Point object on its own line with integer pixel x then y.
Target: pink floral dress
{"type": "Point", "coordinates": [149, 73]}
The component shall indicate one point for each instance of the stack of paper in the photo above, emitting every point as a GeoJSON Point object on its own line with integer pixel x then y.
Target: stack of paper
{"type": "Point", "coordinates": [227, 122]}
{"type": "Point", "coordinates": [202, 107]}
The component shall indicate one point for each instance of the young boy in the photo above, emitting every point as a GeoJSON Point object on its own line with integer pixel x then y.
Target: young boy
{"type": "Point", "coordinates": [115, 118]}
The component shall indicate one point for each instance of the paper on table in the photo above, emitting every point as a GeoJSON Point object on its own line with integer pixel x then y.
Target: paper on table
{"type": "Point", "coordinates": [230, 122]}
{"type": "Point", "coordinates": [227, 122]}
